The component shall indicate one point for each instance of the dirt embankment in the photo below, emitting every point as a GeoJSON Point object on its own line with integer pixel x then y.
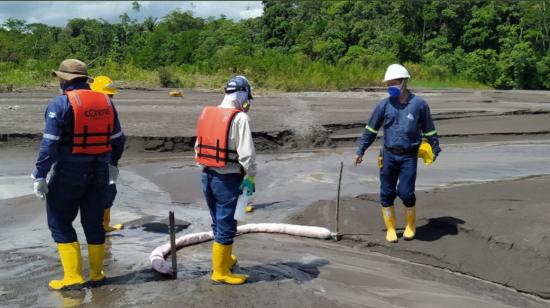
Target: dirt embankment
{"type": "Point", "coordinates": [495, 231]}
{"type": "Point", "coordinates": [155, 122]}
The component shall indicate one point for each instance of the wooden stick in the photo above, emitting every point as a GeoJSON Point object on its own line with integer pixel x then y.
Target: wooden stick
{"type": "Point", "coordinates": [173, 249]}
{"type": "Point", "coordinates": [338, 200]}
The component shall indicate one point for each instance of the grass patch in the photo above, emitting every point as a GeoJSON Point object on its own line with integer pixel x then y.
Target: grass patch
{"type": "Point", "coordinates": [293, 73]}
{"type": "Point", "coordinates": [448, 84]}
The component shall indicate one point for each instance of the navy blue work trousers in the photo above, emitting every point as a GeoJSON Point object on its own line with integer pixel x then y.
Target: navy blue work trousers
{"type": "Point", "coordinates": [397, 178]}
{"type": "Point", "coordinates": [78, 187]}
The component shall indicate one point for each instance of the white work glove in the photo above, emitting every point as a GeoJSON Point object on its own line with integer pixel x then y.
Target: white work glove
{"type": "Point", "coordinates": [40, 187]}
{"type": "Point", "coordinates": [113, 174]}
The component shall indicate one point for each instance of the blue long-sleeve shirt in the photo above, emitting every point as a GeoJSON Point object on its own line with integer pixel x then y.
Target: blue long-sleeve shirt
{"type": "Point", "coordinates": [59, 127]}
{"type": "Point", "coordinates": [404, 125]}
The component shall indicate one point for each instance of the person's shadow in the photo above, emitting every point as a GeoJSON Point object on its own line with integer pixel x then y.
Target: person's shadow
{"type": "Point", "coordinates": [298, 271]}
{"type": "Point", "coordinates": [437, 228]}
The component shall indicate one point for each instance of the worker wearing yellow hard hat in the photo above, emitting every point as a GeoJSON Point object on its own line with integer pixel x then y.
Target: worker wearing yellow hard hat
{"type": "Point", "coordinates": [104, 84]}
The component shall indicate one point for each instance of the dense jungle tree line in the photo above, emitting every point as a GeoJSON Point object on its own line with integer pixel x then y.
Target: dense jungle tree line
{"type": "Point", "coordinates": [298, 45]}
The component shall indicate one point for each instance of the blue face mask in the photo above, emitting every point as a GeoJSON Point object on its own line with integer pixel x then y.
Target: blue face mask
{"type": "Point", "coordinates": [395, 91]}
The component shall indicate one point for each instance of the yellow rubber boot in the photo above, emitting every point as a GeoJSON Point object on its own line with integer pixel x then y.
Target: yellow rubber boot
{"type": "Point", "coordinates": [410, 220]}
{"type": "Point", "coordinates": [96, 253]}
{"type": "Point", "coordinates": [232, 261]}
{"type": "Point", "coordinates": [389, 219]}
{"type": "Point", "coordinates": [221, 260]}
{"type": "Point", "coordinates": [71, 261]}
{"type": "Point", "coordinates": [107, 219]}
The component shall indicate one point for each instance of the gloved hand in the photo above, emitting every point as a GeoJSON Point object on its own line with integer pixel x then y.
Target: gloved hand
{"type": "Point", "coordinates": [113, 174]}
{"type": "Point", "coordinates": [40, 187]}
{"type": "Point", "coordinates": [248, 183]}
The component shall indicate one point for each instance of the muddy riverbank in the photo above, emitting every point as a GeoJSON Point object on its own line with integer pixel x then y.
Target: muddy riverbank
{"type": "Point", "coordinates": [481, 242]}
{"type": "Point", "coordinates": [153, 121]}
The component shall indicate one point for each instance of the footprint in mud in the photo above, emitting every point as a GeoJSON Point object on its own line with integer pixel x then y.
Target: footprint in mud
{"type": "Point", "coordinates": [298, 271]}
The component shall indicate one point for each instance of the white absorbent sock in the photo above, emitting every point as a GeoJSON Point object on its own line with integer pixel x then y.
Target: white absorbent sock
{"type": "Point", "coordinates": [160, 265]}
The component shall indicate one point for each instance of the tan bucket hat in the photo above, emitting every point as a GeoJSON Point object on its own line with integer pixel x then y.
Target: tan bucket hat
{"type": "Point", "coordinates": [70, 69]}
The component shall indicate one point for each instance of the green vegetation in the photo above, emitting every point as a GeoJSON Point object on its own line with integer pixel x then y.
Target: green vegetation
{"type": "Point", "coordinates": [300, 45]}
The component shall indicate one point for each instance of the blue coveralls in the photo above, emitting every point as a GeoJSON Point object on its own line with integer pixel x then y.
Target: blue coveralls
{"type": "Point", "coordinates": [79, 181]}
{"type": "Point", "coordinates": [404, 126]}
{"type": "Point", "coordinates": [222, 192]}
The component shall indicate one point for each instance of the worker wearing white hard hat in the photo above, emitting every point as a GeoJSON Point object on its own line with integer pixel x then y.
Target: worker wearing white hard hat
{"type": "Point", "coordinates": [407, 121]}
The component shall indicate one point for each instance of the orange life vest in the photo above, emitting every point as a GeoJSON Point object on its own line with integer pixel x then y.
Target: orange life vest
{"type": "Point", "coordinates": [213, 135]}
{"type": "Point", "coordinates": [94, 119]}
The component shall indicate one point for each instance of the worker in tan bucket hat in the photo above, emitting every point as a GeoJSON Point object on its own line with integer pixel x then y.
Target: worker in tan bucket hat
{"type": "Point", "coordinates": [82, 137]}
{"type": "Point", "coordinates": [71, 69]}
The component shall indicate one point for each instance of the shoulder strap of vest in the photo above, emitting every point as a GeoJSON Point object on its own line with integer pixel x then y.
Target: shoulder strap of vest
{"type": "Point", "coordinates": [227, 150]}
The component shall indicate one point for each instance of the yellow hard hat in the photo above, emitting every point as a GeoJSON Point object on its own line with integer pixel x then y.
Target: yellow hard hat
{"type": "Point", "coordinates": [103, 84]}
{"type": "Point", "coordinates": [426, 153]}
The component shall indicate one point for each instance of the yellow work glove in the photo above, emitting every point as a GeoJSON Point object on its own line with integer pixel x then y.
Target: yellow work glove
{"type": "Point", "coordinates": [426, 153]}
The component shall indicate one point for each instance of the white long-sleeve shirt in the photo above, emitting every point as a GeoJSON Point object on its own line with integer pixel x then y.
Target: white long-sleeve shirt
{"type": "Point", "coordinates": [240, 140]}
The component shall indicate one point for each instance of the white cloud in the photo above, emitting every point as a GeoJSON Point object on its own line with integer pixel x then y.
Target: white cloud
{"type": "Point", "coordinates": [58, 12]}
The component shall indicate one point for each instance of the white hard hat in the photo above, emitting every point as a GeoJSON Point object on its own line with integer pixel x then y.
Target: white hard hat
{"type": "Point", "coordinates": [396, 71]}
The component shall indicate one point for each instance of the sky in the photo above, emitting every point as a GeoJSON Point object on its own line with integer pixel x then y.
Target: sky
{"type": "Point", "coordinates": [56, 13]}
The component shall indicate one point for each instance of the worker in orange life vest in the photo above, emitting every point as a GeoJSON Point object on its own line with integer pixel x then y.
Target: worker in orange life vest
{"type": "Point", "coordinates": [225, 150]}
{"type": "Point", "coordinates": [82, 136]}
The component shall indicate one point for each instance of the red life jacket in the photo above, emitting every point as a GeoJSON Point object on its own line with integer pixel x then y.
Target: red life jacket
{"type": "Point", "coordinates": [213, 135]}
{"type": "Point", "coordinates": [94, 119]}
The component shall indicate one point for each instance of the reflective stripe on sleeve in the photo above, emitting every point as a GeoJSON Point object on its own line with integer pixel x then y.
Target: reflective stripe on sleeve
{"type": "Point", "coordinates": [370, 129]}
{"type": "Point", "coordinates": [428, 134]}
{"type": "Point", "coordinates": [116, 135]}
{"type": "Point", "coordinates": [51, 137]}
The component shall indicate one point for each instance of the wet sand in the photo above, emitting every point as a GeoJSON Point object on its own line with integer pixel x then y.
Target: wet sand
{"type": "Point", "coordinates": [359, 271]}
{"type": "Point", "coordinates": [496, 231]}
{"type": "Point", "coordinates": [482, 240]}
{"type": "Point", "coordinates": [283, 272]}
